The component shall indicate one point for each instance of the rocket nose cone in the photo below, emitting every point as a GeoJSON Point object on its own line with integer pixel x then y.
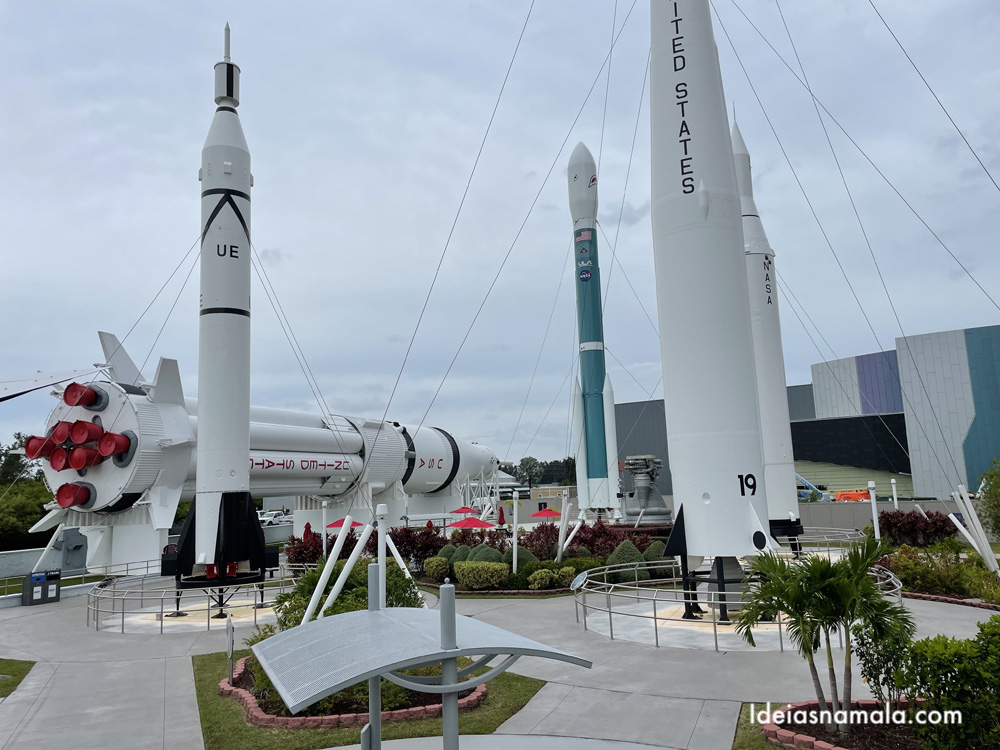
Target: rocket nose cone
{"type": "Point", "coordinates": [582, 178]}
{"type": "Point", "coordinates": [739, 145]}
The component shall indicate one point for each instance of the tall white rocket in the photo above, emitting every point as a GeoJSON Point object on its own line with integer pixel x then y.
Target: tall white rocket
{"type": "Point", "coordinates": [775, 428]}
{"type": "Point", "coordinates": [709, 380]}
{"type": "Point", "coordinates": [224, 322]}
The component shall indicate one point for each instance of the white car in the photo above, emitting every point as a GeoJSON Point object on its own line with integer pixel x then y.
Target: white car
{"type": "Point", "coordinates": [274, 517]}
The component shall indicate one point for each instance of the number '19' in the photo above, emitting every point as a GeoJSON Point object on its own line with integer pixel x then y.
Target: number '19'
{"type": "Point", "coordinates": [748, 482]}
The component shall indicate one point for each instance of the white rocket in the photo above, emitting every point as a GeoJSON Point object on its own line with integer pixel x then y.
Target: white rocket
{"type": "Point", "coordinates": [594, 433]}
{"type": "Point", "coordinates": [121, 453]}
{"type": "Point", "coordinates": [762, 282]}
{"type": "Point", "coordinates": [709, 380]}
{"type": "Point", "coordinates": [223, 475]}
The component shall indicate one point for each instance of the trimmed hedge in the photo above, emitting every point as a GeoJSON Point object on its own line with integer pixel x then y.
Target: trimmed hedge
{"type": "Point", "coordinates": [481, 575]}
{"type": "Point", "coordinates": [626, 552]}
{"type": "Point", "coordinates": [437, 568]}
{"type": "Point", "coordinates": [524, 556]}
{"type": "Point", "coordinates": [520, 582]}
{"type": "Point", "coordinates": [447, 551]}
{"type": "Point", "coordinates": [461, 554]}
{"type": "Point", "coordinates": [484, 553]}
{"type": "Point", "coordinates": [551, 579]}
{"type": "Point", "coordinates": [654, 551]}
{"type": "Point", "coordinates": [582, 552]}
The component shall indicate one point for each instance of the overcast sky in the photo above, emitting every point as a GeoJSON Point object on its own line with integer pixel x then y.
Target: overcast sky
{"type": "Point", "coordinates": [364, 121]}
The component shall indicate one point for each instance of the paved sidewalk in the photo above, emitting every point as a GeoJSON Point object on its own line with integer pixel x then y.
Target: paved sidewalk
{"type": "Point", "coordinates": [108, 691]}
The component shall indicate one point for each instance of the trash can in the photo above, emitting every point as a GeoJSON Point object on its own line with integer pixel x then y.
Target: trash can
{"type": "Point", "coordinates": [41, 587]}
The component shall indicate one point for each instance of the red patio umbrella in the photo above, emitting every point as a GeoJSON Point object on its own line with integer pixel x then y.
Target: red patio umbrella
{"type": "Point", "coordinates": [470, 523]}
{"type": "Point", "coordinates": [546, 513]}
{"type": "Point", "coordinates": [340, 522]}
{"type": "Point", "coordinates": [464, 509]}
{"type": "Point", "coordinates": [500, 518]}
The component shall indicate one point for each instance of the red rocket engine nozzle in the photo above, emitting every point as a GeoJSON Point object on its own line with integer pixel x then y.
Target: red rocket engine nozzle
{"type": "Point", "coordinates": [72, 494]}
{"type": "Point", "coordinates": [39, 447]}
{"type": "Point", "coordinates": [83, 458]}
{"type": "Point", "coordinates": [77, 394]}
{"type": "Point", "coordinates": [60, 433]}
{"type": "Point", "coordinates": [84, 432]}
{"type": "Point", "coordinates": [113, 444]}
{"type": "Point", "coordinates": [59, 459]}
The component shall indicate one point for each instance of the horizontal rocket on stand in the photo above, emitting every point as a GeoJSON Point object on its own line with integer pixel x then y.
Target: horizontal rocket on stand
{"type": "Point", "coordinates": [594, 435]}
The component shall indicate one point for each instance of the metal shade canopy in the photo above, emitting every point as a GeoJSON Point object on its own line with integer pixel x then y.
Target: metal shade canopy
{"type": "Point", "coordinates": [471, 523]}
{"type": "Point", "coordinates": [319, 658]}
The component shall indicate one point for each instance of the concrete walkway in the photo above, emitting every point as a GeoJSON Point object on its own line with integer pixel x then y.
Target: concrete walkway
{"type": "Point", "coordinates": [108, 691]}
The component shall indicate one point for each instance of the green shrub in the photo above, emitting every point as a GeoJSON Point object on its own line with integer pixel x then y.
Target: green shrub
{"type": "Point", "coordinates": [582, 552]}
{"type": "Point", "coordinates": [437, 568]}
{"type": "Point", "coordinates": [447, 551]}
{"type": "Point", "coordinates": [566, 576]}
{"type": "Point", "coordinates": [461, 554]}
{"type": "Point", "coordinates": [519, 582]}
{"type": "Point", "coordinates": [484, 553]}
{"type": "Point", "coordinates": [624, 553]}
{"type": "Point", "coordinates": [542, 579]}
{"type": "Point", "coordinates": [481, 575]}
{"type": "Point", "coordinates": [654, 551]}
{"type": "Point", "coordinates": [957, 675]}
{"type": "Point", "coordinates": [523, 556]}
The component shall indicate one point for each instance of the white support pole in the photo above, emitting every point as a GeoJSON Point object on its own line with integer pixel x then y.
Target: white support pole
{"type": "Point", "coordinates": [325, 503]}
{"type": "Point", "coordinates": [331, 563]}
{"type": "Point", "coordinates": [964, 532]}
{"type": "Point", "coordinates": [514, 505]}
{"type": "Point", "coordinates": [975, 528]}
{"type": "Point", "coordinates": [563, 524]}
{"type": "Point", "coordinates": [871, 495]}
{"type": "Point", "coordinates": [381, 514]}
{"type": "Point", "coordinates": [895, 498]}
{"type": "Point", "coordinates": [348, 566]}
{"type": "Point", "coordinates": [572, 534]}
{"type": "Point", "coordinates": [921, 510]}
{"type": "Point", "coordinates": [401, 563]}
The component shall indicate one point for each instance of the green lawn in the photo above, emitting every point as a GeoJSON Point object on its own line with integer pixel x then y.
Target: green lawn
{"type": "Point", "coordinates": [15, 671]}
{"type": "Point", "coordinates": [224, 728]}
{"type": "Point", "coordinates": [749, 736]}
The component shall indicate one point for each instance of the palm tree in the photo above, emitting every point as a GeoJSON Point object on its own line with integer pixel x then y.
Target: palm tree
{"type": "Point", "coordinates": [779, 588]}
{"type": "Point", "coordinates": [853, 597]}
{"type": "Point", "coordinates": [822, 575]}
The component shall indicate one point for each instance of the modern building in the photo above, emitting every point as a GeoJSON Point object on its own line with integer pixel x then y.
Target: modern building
{"type": "Point", "coordinates": [926, 413]}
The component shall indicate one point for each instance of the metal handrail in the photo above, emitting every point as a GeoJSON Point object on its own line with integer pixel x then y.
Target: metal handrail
{"type": "Point", "coordinates": [131, 594]}
{"type": "Point", "coordinates": [67, 578]}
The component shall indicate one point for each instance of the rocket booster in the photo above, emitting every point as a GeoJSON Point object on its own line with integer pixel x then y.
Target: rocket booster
{"type": "Point", "coordinates": [709, 381]}
{"type": "Point", "coordinates": [593, 413]}
{"type": "Point", "coordinates": [775, 430]}
{"type": "Point", "coordinates": [224, 318]}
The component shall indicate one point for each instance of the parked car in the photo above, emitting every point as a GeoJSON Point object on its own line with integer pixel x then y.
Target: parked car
{"type": "Point", "coordinates": [274, 517]}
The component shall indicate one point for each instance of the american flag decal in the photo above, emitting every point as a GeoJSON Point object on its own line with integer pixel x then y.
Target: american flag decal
{"type": "Point", "coordinates": [584, 236]}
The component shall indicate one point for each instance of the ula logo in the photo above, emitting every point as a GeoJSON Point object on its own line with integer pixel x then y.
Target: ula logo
{"type": "Point", "coordinates": [585, 275]}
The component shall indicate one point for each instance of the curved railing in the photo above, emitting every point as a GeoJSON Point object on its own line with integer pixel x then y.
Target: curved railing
{"type": "Point", "coordinates": [119, 596]}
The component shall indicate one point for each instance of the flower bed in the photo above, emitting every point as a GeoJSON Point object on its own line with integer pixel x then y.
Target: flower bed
{"type": "Point", "coordinates": [896, 736]}
{"type": "Point", "coordinates": [256, 716]}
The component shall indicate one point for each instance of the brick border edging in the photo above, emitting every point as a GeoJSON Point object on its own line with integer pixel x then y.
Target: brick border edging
{"type": "Point", "coordinates": [256, 716]}
{"type": "Point", "coordinates": [779, 737]}
{"type": "Point", "coordinates": [950, 600]}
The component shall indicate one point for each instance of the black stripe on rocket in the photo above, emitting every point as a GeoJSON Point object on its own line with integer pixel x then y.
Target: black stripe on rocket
{"type": "Point", "coordinates": [227, 197]}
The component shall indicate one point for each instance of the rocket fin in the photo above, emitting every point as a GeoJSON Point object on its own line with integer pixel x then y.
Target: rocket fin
{"type": "Point", "coordinates": [677, 541]}
{"type": "Point", "coordinates": [123, 369]}
{"type": "Point", "coordinates": [762, 538]}
{"type": "Point", "coordinates": [50, 520]}
{"type": "Point", "coordinates": [162, 506]}
{"type": "Point", "coordinates": [611, 443]}
{"type": "Point", "coordinates": [167, 388]}
{"type": "Point", "coordinates": [580, 444]}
